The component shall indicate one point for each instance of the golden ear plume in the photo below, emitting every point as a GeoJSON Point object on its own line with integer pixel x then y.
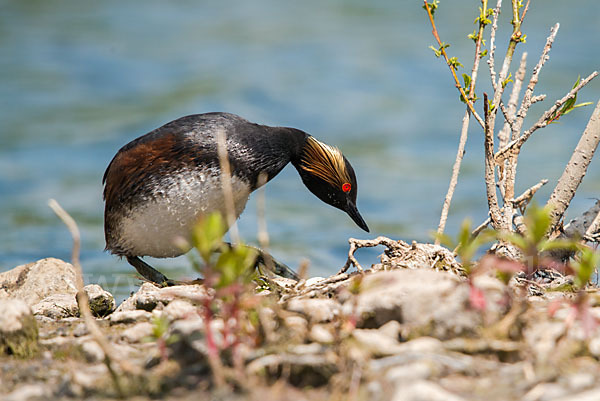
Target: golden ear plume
{"type": "Point", "coordinates": [325, 162]}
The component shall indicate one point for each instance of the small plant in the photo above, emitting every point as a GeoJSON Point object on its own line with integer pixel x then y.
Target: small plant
{"type": "Point", "coordinates": [534, 240]}
{"type": "Point", "coordinates": [466, 247]}
{"type": "Point", "coordinates": [160, 328]}
{"type": "Point", "coordinates": [229, 271]}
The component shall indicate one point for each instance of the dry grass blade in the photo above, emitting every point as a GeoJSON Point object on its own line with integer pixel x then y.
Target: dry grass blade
{"type": "Point", "coordinates": [83, 303]}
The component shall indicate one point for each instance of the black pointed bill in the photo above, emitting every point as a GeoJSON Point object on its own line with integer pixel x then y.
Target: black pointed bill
{"type": "Point", "coordinates": [356, 217]}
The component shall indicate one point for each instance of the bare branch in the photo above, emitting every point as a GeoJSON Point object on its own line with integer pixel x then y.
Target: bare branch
{"type": "Point", "coordinates": [491, 59]}
{"type": "Point", "coordinates": [526, 103]}
{"type": "Point", "coordinates": [463, 132]}
{"type": "Point", "coordinates": [575, 169]}
{"type": "Point", "coordinates": [481, 227]}
{"type": "Point", "coordinates": [490, 166]}
{"type": "Point", "coordinates": [516, 145]}
{"type": "Point", "coordinates": [522, 200]}
{"type": "Point", "coordinates": [509, 113]}
{"type": "Point", "coordinates": [450, 65]}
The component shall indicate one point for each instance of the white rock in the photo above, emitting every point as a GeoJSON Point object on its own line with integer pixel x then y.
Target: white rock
{"type": "Point", "coordinates": [35, 281]}
{"type": "Point", "coordinates": [57, 306]}
{"type": "Point", "coordinates": [425, 301]}
{"type": "Point", "coordinates": [321, 334]}
{"type": "Point", "coordinates": [18, 328]}
{"type": "Point", "coordinates": [137, 333]}
{"type": "Point", "coordinates": [149, 296]}
{"type": "Point", "coordinates": [179, 309]}
{"type": "Point", "coordinates": [318, 310]}
{"type": "Point", "coordinates": [28, 392]}
{"type": "Point", "coordinates": [130, 316]}
{"type": "Point", "coordinates": [423, 390]}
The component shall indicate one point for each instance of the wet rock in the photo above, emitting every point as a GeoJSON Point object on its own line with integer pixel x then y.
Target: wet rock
{"type": "Point", "coordinates": [101, 302]}
{"type": "Point", "coordinates": [149, 296]}
{"type": "Point", "coordinates": [57, 306]}
{"type": "Point", "coordinates": [317, 310]}
{"type": "Point", "coordinates": [129, 316]}
{"type": "Point", "coordinates": [18, 328]}
{"type": "Point", "coordinates": [35, 281]}
{"type": "Point", "coordinates": [426, 302]}
{"type": "Point", "coordinates": [423, 390]}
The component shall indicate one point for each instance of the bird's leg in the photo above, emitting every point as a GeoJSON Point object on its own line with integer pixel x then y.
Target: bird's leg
{"type": "Point", "coordinates": [273, 265]}
{"type": "Point", "coordinates": [149, 273]}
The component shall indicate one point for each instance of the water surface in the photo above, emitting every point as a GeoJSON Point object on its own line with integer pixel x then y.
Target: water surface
{"type": "Point", "coordinates": [79, 80]}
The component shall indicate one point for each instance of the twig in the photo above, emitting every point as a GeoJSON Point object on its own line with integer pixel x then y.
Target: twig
{"type": "Point", "coordinates": [84, 306]}
{"type": "Point", "coordinates": [522, 200]}
{"type": "Point", "coordinates": [516, 145]}
{"type": "Point", "coordinates": [575, 169]}
{"type": "Point", "coordinates": [464, 132]}
{"type": "Point", "coordinates": [481, 227]}
{"type": "Point", "coordinates": [452, 70]}
{"type": "Point", "coordinates": [226, 185]}
{"type": "Point", "coordinates": [366, 243]}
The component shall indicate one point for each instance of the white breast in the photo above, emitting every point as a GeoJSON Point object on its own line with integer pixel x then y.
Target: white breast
{"type": "Point", "coordinates": [156, 225]}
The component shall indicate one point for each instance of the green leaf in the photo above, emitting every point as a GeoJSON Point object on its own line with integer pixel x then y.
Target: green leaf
{"type": "Point", "coordinates": [584, 267]}
{"type": "Point", "coordinates": [235, 266]}
{"type": "Point", "coordinates": [208, 234]}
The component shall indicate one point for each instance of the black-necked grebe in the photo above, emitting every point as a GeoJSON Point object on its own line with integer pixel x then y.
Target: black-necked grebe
{"type": "Point", "coordinates": [160, 184]}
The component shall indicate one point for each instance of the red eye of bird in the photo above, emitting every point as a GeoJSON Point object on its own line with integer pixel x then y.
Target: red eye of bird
{"type": "Point", "coordinates": [346, 187]}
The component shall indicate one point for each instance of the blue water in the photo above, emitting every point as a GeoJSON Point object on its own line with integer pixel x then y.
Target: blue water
{"type": "Point", "coordinates": [81, 79]}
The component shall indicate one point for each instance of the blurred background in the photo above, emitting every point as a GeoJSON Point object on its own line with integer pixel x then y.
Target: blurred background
{"type": "Point", "coordinates": [81, 79]}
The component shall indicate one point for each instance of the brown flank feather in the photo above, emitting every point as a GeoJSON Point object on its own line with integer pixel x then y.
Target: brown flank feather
{"type": "Point", "coordinates": [325, 162]}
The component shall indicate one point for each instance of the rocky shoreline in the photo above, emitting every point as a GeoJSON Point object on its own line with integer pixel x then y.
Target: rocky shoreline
{"type": "Point", "coordinates": [406, 329]}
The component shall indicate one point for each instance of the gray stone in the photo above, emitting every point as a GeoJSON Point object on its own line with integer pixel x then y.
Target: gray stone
{"type": "Point", "coordinates": [35, 281]}
{"type": "Point", "coordinates": [57, 306]}
{"type": "Point", "coordinates": [130, 316]}
{"type": "Point", "coordinates": [317, 310]}
{"type": "Point", "coordinates": [425, 301]}
{"type": "Point", "coordinates": [18, 328]}
{"type": "Point", "coordinates": [101, 302]}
